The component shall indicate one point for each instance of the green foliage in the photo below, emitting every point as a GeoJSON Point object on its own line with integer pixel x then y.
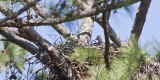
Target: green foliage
{"type": "Point", "coordinates": [128, 62]}
{"type": "Point", "coordinates": [117, 72]}
{"type": "Point", "coordinates": [12, 56]}
{"type": "Point", "coordinates": [4, 59]}
{"type": "Point", "coordinates": [157, 49]}
{"type": "Point", "coordinates": [123, 67]}
{"type": "Point", "coordinates": [14, 50]}
{"type": "Point", "coordinates": [83, 55]}
{"type": "Point", "coordinates": [132, 54]}
{"type": "Point", "coordinates": [98, 72]}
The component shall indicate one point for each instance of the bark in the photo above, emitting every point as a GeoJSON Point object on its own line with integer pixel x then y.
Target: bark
{"type": "Point", "coordinates": [40, 11]}
{"type": "Point", "coordinates": [112, 34]}
{"type": "Point", "coordinates": [86, 28]}
{"type": "Point", "coordinates": [51, 21]}
{"type": "Point", "coordinates": [11, 36]}
{"type": "Point", "coordinates": [4, 9]}
{"type": "Point", "coordinates": [14, 36]}
{"type": "Point", "coordinates": [106, 34]}
{"type": "Point", "coordinates": [57, 58]}
{"type": "Point", "coordinates": [25, 44]}
{"type": "Point", "coordinates": [85, 32]}
{"type": "Point", "coordinates": [58, 27]}
{"type": "Point", "coordinates": [53, 53]}
{"type": "Point", "coordinates": [140, 18]}
{"type": "Point", "coordinates": [28, 5]}
{"type": "Point", "coordinates": [19, 39]}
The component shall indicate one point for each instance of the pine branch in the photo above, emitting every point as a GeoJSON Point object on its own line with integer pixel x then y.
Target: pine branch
{"type": "Point", "coordinates": [18, 40]}
{"type": "Point", "coordinates": [29, 4]}
{"type": "Point", "coordinates": [58, 27]}
{"type": "Point", "coordinates": [53, 21]}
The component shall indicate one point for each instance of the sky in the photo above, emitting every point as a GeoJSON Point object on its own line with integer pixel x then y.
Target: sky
{"type": "Point", "coordinates": [121, 22]}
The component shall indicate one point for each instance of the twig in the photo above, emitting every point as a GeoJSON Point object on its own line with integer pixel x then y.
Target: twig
{"type": "Point", "coordinates": [4, 40]}
{"type": "Point", "coordinates": [30, 4]}
{"type": "Point", "coordinates": [53, 21]}
{"type": "Point", "coordinates": [41, 68]}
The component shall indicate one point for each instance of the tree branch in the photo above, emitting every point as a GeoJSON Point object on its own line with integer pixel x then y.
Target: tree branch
{"type": "Point", "coordinates": [112, 34]}
{"type": "Point", "coordinates": [29, 4]}
{"type": "Point", "coordinates": [140, 18]}
{"type": "Point", "coordinates": [106, 34]}
{"type": "Point", "coordinates": [4, 40]}
{"type": "Point", "coordinates": [11, 36]}
{"type": "Point", "coordinates": [85, 33]}
{"type": "Point", "coordinates": [53, 53]}
{"type": "Point", "coordinates": [18, 40]}
{"type": "Point", "coordinates": [51, 21]}
{"type": "Point", "coordinates": [58, 27]}
{"type": "Point", "coordinates": [36, 38]}
{"type": "Point", "coordinates": [6, 11]}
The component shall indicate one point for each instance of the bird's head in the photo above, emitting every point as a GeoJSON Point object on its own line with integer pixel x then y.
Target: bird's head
{"type": "Point", "coordinates": [98, 37]}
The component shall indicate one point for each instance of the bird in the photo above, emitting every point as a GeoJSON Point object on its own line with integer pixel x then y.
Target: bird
{"type": "Point", "coordinates": [99, 38]}
{"type": "Point", "coordinates": [102, 44]}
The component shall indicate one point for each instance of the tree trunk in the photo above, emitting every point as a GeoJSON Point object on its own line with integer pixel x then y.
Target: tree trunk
{"type": "Point", "coordinates": [140, 18]}
{"type": "Point", "coordinates": [86, 28]}
{"type": "Point", "coordinates": [85, 32]}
